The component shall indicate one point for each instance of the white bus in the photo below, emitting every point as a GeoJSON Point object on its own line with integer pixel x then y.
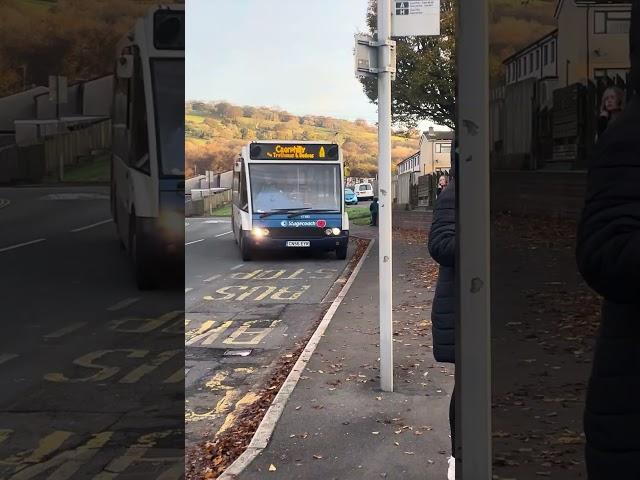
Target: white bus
{"type": "Point", "coordinates": [147, 167]}
{"type": "Point", "coordinates": [289, 196]}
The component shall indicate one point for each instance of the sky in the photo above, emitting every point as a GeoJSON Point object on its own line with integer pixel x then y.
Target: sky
{"type": "Point", "coordinates": [292, 54]}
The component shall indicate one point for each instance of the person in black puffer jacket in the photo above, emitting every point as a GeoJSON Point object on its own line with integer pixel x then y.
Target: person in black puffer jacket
{"type": "Point", "coordinates": [608, 256]}
{"type": "Point", "coordinates": [442, 248]}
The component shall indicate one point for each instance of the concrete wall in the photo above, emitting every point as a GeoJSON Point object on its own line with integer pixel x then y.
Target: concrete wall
{"type": "Point", "coordinates": [20, 106]}
{"type": "Point", "coordinates": [404, 188]}
{"type": "Point", "coordinates": [515, 124]}
{"type": "Point", "coordinates": [553, 194]}
{"type": "Point", "coordinates": [46, 109]}
{"type": "Point", "coordinates": [98, 96]}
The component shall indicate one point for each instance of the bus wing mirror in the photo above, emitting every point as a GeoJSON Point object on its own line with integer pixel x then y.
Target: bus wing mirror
{"type": "Point", "coordinates": [125, 66]}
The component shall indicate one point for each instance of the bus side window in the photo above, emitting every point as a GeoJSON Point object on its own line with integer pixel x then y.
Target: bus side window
{"type": "Point", "coordinates": [244, 201]}
{"type": "Point", "coordinates": [139, 132]}
{"type": "Point", "coordinates": [120, 103]}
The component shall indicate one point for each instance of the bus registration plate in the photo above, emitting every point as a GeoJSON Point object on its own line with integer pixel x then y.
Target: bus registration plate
{"type": "Point", "coordinates": [298, 243]}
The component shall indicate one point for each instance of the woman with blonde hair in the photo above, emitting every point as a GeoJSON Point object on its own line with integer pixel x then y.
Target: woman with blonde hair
{"type": "Point", "coordinates": [610, 107]}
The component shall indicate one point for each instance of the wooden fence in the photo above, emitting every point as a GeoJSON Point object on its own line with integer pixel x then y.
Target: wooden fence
{"type": "Point", "coordinates": [206, 205]}
{"type": "Point", "coordinates": [423, 193]}
{"type": "Point", "coordinates": [529, 133]}
{"type": "Point", "coordinates": [75, 146]}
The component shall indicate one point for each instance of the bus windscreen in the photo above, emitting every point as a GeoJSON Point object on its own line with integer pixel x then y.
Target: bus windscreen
{"type": "Point", "coordinates": [168, 92]}
{"type": "Point", "coordinates": [295, 186]}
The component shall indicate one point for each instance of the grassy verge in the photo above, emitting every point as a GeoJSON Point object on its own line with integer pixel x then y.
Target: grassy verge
{"type": "Point", "coordinates": [359, 215]}
{"type": "Point", "coordinates": [223, 211]}
{"type": "Point", "coordinates": [97, 170]}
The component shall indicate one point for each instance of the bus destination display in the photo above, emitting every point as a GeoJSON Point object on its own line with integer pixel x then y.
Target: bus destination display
{"type": "Point", "coordinates": [291, 151]}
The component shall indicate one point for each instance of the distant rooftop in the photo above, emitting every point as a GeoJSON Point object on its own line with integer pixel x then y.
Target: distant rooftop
{"type": "Point", "coordinates": [439, 135]}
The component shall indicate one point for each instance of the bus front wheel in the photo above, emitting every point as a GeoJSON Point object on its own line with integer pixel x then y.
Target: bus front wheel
{"type": "Point", "coordinates": [145, 278]}
{"type": "Point", "coordinates": [341, 252]}
{"type": "Point", "coordinates": [245, 249]}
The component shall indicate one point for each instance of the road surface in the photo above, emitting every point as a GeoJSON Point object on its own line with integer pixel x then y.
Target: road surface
{"type": "Point", "coordinates": [92, 369]}
{"type": "Point", "coordinates": [242, 317]}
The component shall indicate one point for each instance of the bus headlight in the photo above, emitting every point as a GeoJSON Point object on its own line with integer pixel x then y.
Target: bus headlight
{"type": "Point", "coordinates": [171, 222]}
{"type": "Point", "coordinates": [260, 232]}
{"type": "Point", "coordinates": [328, 231]}
{"type": "Point", "coordinates": [336, 231]}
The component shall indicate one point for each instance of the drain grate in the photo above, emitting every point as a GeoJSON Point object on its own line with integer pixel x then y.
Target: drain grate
{"type": "Point", "coordinates": [237, 353]}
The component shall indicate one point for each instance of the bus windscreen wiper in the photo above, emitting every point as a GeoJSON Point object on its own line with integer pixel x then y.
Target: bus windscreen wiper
{"type": "Point", "coordinates": [311, 210]}
{"type": "Point", "coordinates": [283, 210]}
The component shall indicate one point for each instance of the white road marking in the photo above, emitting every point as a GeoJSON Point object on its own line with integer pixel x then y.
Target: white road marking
{"type": "Point", "coordinates": [63, 331]}
{"type": "Point", "coordinates": [4, 202]}
{"type": "Point", "coordinates": [187, 290]}
{"type": "Point", "coordinates": [122, 304]}
{"type": "Point", "coordinates": [217, 221]}
{"type": "Point", "coordinates": [91, 226]}
{"type": "Point", "coordinates": [223, 234]}
{"type": "Point", "coordinates": [5, 357]}
{"type": "Point", "coordinates": [195, 241]}
{"type": "Point", "coordinates": [212, 278]}
{"type": "Point", "coordinates": [237, 266]}
{"type": "Point", "coordinates": [12, 247]}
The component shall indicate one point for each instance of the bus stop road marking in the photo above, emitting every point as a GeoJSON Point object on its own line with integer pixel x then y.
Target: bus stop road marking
{"type": "Point", "coordinates": [223, 234]}
{"type": "Point", "coordinates": [237, 266]}
{"type": "Point", "coordinates": [87, 227]}
{"type": "Point", "coordinates": [212, 278]}
{"type": "Point", "coordinates": [64, 331]}
{"type": "Point", "coordinates": [123, 304]}
{"type": "Point", "coordinates": [195, 241]}
{"type": "Point", "coordinates": [19, 245]}
{"type": "Point", "coordinates": [187, 290]}
{"type": "Point", "coordinates": [5, 357]}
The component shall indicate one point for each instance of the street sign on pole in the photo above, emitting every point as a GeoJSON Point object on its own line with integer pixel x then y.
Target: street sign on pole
{"type": "Point", "coordinates": [377, 57]}
{"type": "Point", "coordinates": [415, 18]}
{"type": "Point", "coordinates": [366, 57]}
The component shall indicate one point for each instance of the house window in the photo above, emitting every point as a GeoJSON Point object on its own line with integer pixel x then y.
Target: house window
{"type": "Point", "coordinates": [538, 59]}
{"type": "Point", "coordinates": [546, 54]}
{"type": "Point", "coordinates": [610, 22]}
{"type": "Point", "coordinates": [524, 65]}
{"type": "Point", "coordinates": [443, 148]}
{"type": "Point", "coordinates": [553, 52]}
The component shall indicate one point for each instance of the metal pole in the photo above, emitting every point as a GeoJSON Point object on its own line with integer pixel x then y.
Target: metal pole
{"type": "Point", "coordinates": [384, 197]}
{"type": "Point", "coordinates": [473, 345]}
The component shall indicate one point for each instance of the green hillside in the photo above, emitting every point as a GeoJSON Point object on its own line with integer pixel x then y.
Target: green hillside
{"type": "Point", "coordinates": [215, 133]}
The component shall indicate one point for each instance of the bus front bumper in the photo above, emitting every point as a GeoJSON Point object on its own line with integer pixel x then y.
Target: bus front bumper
{"type": "Point", "coordinates": [320, 243]}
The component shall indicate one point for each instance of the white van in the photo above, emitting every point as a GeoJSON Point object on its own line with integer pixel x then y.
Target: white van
{"type": "Point", "coordinates": [364, 191]}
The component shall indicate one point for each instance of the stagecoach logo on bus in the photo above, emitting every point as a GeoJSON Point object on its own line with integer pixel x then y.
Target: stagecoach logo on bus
{"type": "Point", "coordinates": [304, 223]}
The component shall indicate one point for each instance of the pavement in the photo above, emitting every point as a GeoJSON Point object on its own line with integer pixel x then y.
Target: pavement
{"type": "Point", "coordinates": [542, 349]}
{"type": "Point", "coordinates": [242, 318]}
{"type": "Point", "coordinates": [338, 424]}
{"type": "Point", "coordinates": [94, 367]}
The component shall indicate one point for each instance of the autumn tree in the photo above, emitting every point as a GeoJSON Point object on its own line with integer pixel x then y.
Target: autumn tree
{"type": "Point", "coordinates": [424, 88]}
